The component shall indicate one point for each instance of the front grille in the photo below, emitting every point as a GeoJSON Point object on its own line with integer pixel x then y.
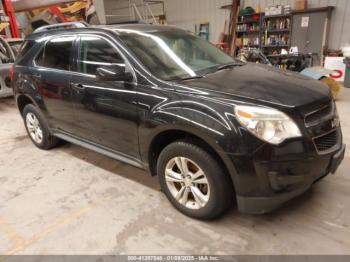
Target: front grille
{"type": "Point", "coordinates": [323, 126]}
{"type": "Point", "coordinates": [316, 116]}
{"type": "Point", "coordinates": [326, 142]}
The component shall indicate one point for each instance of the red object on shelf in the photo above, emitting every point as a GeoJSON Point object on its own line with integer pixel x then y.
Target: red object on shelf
{"type": "Point", "coordinates": [256, 17]}
{"type": "Point", "coordinates": [12, 17]}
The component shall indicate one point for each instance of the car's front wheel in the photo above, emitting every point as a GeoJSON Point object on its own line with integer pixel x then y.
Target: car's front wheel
{"type": "Point", "coordinates": [194, 181]}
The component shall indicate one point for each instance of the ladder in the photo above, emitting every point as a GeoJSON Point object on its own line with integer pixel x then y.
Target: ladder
{"type": "Point", "coordinates": [146, 11]}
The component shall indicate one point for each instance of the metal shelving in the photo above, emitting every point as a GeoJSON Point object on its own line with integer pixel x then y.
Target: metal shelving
{"type": "Point", "coordinates": [253, 35]}
{"type": "Point", "coordinates": [277, 37]}
{"type": "Point", "coordinates": [279, 31]}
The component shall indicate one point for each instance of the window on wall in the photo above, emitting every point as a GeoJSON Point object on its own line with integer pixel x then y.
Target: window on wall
{"type": "Point", "coordinates": [96, 52]}
{"type": "Point", "coordinates": [57, 53]}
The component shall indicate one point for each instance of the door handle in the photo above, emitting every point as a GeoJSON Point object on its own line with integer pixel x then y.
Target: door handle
{"type": "Point", "coordinates": [37, 76]}
{"type": "Point", "coordinates": [77, 86]}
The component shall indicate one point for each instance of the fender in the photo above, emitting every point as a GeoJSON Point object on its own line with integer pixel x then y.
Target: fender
{"type": "Point", "coordinates": [25, 96]}
{"type": "Point", "coordinates": [24, 85]}
{"type": "Point", "coordinates": [207, 139]}
{"type": "Point", "coordinates": [194, 117]}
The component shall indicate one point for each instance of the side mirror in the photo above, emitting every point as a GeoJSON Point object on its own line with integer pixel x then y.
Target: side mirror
{"type": "Point", "coordinates": [113, 73]}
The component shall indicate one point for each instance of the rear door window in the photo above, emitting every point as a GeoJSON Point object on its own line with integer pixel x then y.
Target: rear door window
{"type": "Point", "coordinates": [57, 53]}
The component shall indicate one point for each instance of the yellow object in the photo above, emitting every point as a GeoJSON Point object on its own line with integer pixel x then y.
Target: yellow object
{"type": "Point", "coordinates": [3, 26]}
{"type": "Point", "coordinates": [258, 9]}
{"type": "Point", "coordinates": [333, 85]}
{"type": "Point", "coordinates": [73, 8]}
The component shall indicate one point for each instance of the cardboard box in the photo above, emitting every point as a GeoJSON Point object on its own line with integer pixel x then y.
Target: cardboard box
{"type": "Point", "coordinates": [300, 5]}
{"type": "Point", "coordinates": [239, 41]}
{"type": "Point", "coordinates": [274, 10]}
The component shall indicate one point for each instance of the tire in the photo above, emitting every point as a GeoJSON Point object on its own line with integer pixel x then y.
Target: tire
{"type": "Point", "coordinates": [34, 119]}
{"type": "Point", "coordinates": [215, 187]}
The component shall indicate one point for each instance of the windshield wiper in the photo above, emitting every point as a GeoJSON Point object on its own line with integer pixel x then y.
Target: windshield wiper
{"type": "Point", "coordinates": [230, 65]}
{"type": "Point", "coordinates": [191, 77]}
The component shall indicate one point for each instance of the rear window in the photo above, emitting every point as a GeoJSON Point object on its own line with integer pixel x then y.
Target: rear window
{"type": "Point", "coordinates": [24, 49]}
{"type": "Point", "coordinates": [56, 53]}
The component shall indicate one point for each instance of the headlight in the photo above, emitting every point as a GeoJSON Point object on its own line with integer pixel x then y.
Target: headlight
{"type": "Point", "coordinates": [268, 124]}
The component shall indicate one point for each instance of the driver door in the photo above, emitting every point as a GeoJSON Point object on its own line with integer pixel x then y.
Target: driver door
{"type": "Point", "coordinates": [106, 110]}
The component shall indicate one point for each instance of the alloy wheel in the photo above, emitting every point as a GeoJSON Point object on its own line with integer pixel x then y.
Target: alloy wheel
{"type": "Point", "coordinates": [34, 128]}
{"type": "Point", "coordinates": [187, 182]}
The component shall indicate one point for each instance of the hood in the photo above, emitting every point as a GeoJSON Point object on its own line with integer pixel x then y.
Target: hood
{"type": "Point", "coordinates": [263, 83]}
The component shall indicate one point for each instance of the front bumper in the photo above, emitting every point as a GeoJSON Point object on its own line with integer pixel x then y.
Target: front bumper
{"type": "Point", "coordinates": [274, 183]}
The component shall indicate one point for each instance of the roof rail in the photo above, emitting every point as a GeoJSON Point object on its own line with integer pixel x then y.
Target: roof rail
{"type": "Point", "coordinates": [61, 26]}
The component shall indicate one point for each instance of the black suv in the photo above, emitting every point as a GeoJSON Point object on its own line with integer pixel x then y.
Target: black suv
{"type": "Point", "coordinates": [212, 128]}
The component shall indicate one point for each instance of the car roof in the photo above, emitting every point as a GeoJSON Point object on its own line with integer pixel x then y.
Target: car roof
{"type": "Point", "coordinates": [138, 27]}
{"type": "Point", "coordinates": [115, 28]}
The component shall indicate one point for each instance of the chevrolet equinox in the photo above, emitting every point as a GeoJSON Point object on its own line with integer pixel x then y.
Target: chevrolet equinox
{"type": "Point", "coordinates": [213, 129]}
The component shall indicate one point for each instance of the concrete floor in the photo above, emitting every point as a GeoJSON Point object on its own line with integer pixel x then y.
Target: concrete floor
{"type": "Point", "coordinates": [73, 201]}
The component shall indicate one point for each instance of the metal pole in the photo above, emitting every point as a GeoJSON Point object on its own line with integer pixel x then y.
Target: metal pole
{"type": "Point", "coordinates": [234, 16]}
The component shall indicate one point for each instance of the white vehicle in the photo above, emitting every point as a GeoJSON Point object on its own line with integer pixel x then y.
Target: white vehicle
{"type": "Point", "coordinates": [7, 57]}
{"type": "Point", "coordinates": [15, 44]}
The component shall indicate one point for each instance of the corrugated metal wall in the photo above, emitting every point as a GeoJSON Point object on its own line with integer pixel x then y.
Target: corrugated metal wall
{"type": "Point", "coordinates": [187, 13]}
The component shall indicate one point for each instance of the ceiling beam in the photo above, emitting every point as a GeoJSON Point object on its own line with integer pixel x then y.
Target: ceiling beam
{"type": "Point", "coordinates": [26, 5]}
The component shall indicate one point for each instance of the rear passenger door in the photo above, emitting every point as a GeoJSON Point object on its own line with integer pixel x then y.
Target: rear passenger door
{"type": "Point", "coordinates": [52, 73]}
{"type": "Point", "coordinates": [106, 109]}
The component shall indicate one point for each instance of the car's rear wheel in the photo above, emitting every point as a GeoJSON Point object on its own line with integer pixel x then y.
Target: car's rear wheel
{"type": "Point", "coordinates": [194, 181]}
{"type": "Point", "coordinates": [37, 128]}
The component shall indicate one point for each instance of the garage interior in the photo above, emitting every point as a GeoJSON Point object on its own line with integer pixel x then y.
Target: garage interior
{"type": "Point", "coordinates": [73, 201]}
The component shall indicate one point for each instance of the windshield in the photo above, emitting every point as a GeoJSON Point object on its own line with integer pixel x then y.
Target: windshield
{"type": "Point", "coordinates": [174, 54]}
